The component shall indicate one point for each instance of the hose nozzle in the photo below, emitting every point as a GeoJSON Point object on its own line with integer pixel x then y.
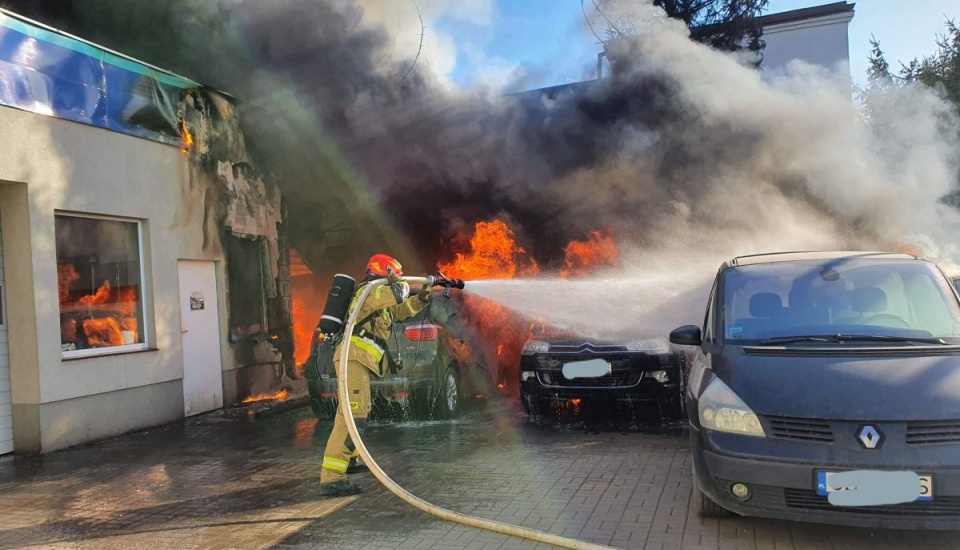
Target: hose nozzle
{"type": "Point", "coordinates": [441, 280]}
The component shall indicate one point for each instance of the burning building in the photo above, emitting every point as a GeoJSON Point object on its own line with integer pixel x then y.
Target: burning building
{"type": "Point", "coordinates": [146, 274]}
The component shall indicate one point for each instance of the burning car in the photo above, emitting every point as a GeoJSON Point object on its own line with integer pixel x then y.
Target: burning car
{"type": "Point", "coordinates": [564, 367]}
{"type": "Point", "coordinates": [826, 388]}
{"type": "Point", "coordinates": [436, 367]}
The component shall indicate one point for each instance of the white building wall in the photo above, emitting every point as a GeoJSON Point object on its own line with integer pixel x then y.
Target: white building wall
{"type": "Point", "coordinates": [822, 41]}
{"type": "Point", "coordinates": [65, 166]}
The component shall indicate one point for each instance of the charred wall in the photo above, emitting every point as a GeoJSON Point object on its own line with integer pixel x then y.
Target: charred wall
{"type": "Point", "coordinates": [243, 218]}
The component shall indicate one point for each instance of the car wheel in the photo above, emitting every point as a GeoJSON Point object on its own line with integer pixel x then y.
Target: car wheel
{"type": "Point", "coordinates": [707, 508]}
{"type": "Point", "coordinates": [704, 505]}
{"type": "Point", "coordinates": [324, 409]}
{"type": "Point", "coordinates": [447, 403]}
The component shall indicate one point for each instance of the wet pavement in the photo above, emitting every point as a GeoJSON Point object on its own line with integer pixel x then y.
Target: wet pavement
{"type": "Point", "coordinates": [230, 480]}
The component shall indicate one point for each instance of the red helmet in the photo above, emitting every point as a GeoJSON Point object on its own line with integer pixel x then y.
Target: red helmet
{"type": "Point", "coordinates": [379, 264]}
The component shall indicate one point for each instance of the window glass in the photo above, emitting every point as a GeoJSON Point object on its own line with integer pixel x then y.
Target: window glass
{"type": "Point", "coordinates": [858, 296]}
{"type": "Point", "coordinates": [100, 285]}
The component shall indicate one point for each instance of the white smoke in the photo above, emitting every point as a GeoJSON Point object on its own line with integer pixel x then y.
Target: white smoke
{"type": "Point", "coordinates": [800, 171]}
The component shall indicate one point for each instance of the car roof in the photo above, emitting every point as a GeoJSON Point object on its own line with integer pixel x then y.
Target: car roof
{"type": "Point", "coordinates": [813, 255]}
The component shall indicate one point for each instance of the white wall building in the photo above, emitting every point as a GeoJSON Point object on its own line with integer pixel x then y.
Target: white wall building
{"type": "Point", "coordinates": [114, 280]}
{"type": "Point", "coordinates": [816, 35]}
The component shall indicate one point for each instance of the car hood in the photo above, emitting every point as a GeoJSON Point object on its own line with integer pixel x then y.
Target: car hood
{"type": "Point", "coordinates": [868, 386]}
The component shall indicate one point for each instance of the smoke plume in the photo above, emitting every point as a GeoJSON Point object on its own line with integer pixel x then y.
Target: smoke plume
{"type": "Point", "coordinates": [683, 153]}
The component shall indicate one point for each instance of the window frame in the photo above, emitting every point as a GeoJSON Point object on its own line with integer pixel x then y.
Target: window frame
{"type": "Point", "coordinates": [145, 317]}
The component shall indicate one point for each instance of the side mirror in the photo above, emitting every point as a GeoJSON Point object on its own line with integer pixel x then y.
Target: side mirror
{"type": "Point", "coordinates": [687, 335]}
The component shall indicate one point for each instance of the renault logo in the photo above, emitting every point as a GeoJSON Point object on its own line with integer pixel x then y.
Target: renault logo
{"type": "Point", "coordinates": [870, 436]}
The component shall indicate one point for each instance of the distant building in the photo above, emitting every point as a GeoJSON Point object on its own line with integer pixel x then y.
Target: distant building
{"type": "Point", "coordinates": [816, 35]}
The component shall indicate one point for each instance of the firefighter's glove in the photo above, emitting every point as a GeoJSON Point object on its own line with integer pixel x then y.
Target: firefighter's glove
{"type": "Point", "coordinates": [424, 294]}
{"type": "Point", "coordinates": [392, 278]}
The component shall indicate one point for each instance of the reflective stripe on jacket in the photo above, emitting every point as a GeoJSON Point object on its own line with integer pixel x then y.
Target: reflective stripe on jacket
{"type": "Point", "coordinates": [382, 299]}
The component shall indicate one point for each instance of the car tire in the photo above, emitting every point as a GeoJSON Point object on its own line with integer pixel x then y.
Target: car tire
{"type": "Point", "coordinates": [324, 409]}
{"type": "Point", "coordinates": [707, 508]}
{"type": "Point", "coordinates": [447, 403]}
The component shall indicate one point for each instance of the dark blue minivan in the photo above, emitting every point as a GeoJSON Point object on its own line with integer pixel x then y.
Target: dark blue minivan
{"type": "Point", "coordinates": [826, 388]}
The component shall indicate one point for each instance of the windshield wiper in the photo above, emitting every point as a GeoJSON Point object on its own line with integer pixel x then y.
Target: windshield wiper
{"type": "Point", "coordinates": [851, 337]}
{"type": "Point", "coordinates": [792, 339]}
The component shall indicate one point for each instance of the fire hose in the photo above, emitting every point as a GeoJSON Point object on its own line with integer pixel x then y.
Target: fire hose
{"type": "Point", "coordinates": [409, 498]}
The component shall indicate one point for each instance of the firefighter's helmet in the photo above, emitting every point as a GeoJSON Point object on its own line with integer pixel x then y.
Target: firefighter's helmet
{"type": "Point", "coordinates": [379, 264]}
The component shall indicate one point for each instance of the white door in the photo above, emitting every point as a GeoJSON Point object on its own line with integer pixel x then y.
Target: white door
{"type": "Point", "coordinates": [6, 409]}
{"type": "Point", "coordinates": [200, 327]}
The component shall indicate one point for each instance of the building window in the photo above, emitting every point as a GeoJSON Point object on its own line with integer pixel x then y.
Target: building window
{"type": "Point", "coordinates": [100, 285]}
{"type": "Point", "coordinates": [245, 278]}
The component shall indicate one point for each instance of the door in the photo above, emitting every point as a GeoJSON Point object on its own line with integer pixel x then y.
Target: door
{"type": "Point", "coordinates": [200, 328]}
{"type": "Point", "coordinates": [6, 409]}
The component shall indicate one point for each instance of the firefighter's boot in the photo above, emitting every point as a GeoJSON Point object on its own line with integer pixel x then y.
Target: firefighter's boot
{"type": "Point", "coordinates": [357, 466]}
{"type": "Point", "coordinates": [342, 488]}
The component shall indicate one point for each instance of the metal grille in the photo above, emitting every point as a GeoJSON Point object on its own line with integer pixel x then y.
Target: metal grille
{"type": "Point", "coordinates": [810, 500]}
{"type": "Point", "coordinates": [801, 429]}
{"type": "Point", "coordinates": [617, 379]}
{"type": "Point", "coordinates": [586, 348]}
{"type": "Point", "coordinates": [933, 433]}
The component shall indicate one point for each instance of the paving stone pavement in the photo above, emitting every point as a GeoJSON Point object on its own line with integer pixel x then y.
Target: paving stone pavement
{"type": "Point", "coordinates": [224, 480]}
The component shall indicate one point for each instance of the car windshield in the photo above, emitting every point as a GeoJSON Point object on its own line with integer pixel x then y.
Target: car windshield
{"type": "Point", "coordinates": [857, 297]}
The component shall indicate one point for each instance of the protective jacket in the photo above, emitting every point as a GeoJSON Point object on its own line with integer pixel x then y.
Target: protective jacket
{"type": "Point", "coordinates": [381, 309]}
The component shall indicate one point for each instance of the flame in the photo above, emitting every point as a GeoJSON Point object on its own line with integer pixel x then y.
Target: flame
{"type": "Point", "coordinates": [185, 137]}
{"type": "Point", "coordinates": [103, 317]}
{"type": "Point", "coordinates": [102, 296]}
{"type": "Point", "coordinates": [102, 332]}
{"type": "Point", "coordinates": [493, 254]}
{"type": "Point", "coordinates": [66, 275]}
{"type": "Point", "coordinates": [583, 257]}
{"type": "Point", "coordinates": [303, 326]}
{"type": "Point", "coordinates": [278, 396]}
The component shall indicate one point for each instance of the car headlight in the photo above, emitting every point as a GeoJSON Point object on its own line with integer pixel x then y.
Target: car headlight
{"type": "Point", "coordinates": [722, 410]}
{"type": "Point", "coordinates": [534, 346]}
{"type": "Point", "coordinates": [653, 346]}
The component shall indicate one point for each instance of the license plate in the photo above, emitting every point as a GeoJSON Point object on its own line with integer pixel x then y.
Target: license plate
{"type": "Point", "coordinates": [593, 368]}
{"type": "Point", "coordinates": [824, 488]}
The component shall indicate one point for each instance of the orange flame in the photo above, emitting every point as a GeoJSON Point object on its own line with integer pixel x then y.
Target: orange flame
{"type": "Point", "coordinates": [115, 309]}
{"type": "Point", "coordinates": [185, 137]}
{"type": "Point", "coordinates": [303, 326]}
{"type": "Point", "coordinates": [66, 275]}
{"type": "Point", "coordinates": [103, 332]}
{"type": "Point", "coordinates": [494, 254]}
{"type": "Point", "coordinates": [597, 251]}
{"type": "Point", "coordinates": [278, 396]}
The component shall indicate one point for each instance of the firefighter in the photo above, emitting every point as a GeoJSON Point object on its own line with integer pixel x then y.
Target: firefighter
{"type": "Point", "coordinates": [368, 353]}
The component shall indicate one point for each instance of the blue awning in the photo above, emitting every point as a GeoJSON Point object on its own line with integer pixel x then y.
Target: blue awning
{"type": "Point", "coordinates": [54, 74]}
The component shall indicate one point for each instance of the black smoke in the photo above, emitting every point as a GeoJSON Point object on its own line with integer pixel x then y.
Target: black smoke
{"type": "Point", "coordinates": [375, 156]}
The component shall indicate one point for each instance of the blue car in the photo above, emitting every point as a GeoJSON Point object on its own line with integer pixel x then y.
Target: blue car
{"type": "Point", "coordinates": [825, 387]}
